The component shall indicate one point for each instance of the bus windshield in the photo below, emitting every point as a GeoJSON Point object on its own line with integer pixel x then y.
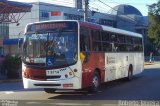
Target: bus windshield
{"type": "Point", "coordinates": [50, 49]}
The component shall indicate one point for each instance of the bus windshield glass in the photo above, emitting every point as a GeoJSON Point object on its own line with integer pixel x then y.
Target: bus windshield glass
{"type": "Point", "coordinates": [51, 48]}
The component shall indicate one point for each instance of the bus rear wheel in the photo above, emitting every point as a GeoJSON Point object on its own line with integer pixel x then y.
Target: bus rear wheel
{"type": "Point", "coordinates": [49, 90]}
{"type": "Point", "coordinates": [95, 82]}
{"type": "Point", "coordinates": [130, 74]}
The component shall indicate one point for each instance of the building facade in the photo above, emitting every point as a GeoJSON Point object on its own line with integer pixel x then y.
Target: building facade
{"type": "Point", "coordinates": [4, 34]}
{"type": "Point", "coordinates": [10, 9]}
{"type": "Point", "coordinates": [123, 16]}
{"type": "Point", "coordinates": [44, 11]}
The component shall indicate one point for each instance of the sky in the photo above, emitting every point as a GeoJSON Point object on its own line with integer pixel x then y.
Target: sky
{"type": "Point", "coordinates": [141, 5]}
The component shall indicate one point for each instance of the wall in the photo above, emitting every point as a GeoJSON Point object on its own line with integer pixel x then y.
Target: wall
{"type": "Point", "coordinates": [29, 17]}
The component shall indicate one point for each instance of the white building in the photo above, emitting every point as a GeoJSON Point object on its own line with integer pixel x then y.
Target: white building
{"type": "Point", "coordinates": [126, 17]}
{"type": "Point", "coordinates": [44, 11]}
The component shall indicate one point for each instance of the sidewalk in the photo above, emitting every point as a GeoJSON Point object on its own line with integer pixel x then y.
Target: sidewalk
{"type": "Point", "coordinates": [152, 63]}
{"type": "Point", "coordinates": [4, 79]}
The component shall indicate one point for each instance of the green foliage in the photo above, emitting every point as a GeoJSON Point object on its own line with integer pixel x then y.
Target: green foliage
{"type": "Point", "coordinates": [154, 29]}
{"type": "Point", "coordinates": [12, 64]}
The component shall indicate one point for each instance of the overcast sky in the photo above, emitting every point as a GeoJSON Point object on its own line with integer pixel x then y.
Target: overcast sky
{"type": "Point", "coordinates": [141, 5]}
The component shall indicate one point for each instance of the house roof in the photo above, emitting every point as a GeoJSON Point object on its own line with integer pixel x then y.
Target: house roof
{"type": "Point", "coordinates": [13, 7]}
{"type": "Point", "coordinates": [124, 9]}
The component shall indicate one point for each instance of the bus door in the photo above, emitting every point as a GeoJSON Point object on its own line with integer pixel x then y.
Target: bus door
{"type": "Point", "coordinates": [122, 56]}
{"type": "Point", "coordinates": [122, 65]}
{"type": "Point", "coordinates": [111, 58]}
{"type": "Point", "coordinates": [110, 70]}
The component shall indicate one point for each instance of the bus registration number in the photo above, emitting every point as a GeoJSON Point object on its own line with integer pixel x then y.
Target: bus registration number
{"type": "Point", "coordinates": [52, 72]}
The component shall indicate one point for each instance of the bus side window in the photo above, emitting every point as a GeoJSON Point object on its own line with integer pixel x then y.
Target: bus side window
{"type": "Point", "coordinates": [129, 43]}
{"type": "Point", "coordinates": [114, 42]}
{"type": "Point", "coordinates": [113, 38]}
{"type": "Point", "coordinates": [138, 44]}
{"type": "Point", "coordinates": [96, 40]}
{"type": "Point", "coordinates": [106, 46]}
{"type": "Point", "coordinates": [121, 43]}
{"type": "Point", "coordinates": [84, 39]}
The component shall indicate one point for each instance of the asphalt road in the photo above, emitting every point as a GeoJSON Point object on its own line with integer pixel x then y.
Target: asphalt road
{"type": "Point", "coordinates": [145, 86]}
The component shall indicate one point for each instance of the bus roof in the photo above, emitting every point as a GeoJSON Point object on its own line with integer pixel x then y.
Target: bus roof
{"type": "Point", "coordinates": [96, 26]}
{"type": "Point", "coordinates": [120, 31]}
{"type": "Point", "coordinates": [110, 29]}
{"type": "Point", "coordinates": [53, 21]}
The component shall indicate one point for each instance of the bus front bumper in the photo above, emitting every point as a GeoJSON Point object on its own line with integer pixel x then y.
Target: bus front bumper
{"type": "Point", "coordinates": [72, 83]}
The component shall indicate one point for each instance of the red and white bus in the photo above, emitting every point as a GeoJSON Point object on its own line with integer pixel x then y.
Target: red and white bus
{"type": "Point", "coordinates": [72, 54]}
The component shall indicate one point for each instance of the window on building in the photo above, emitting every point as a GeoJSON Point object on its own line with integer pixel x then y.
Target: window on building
{"type": "Point", "coordinates": [107, 22]}
{"type": "Point", "coordinates": [4, 30]}
{"type": "Point", "coordinates": [1, 51]}
{"type": "Point", "coordinates": [44, 14]}
{"type": "Point", "coordinates": [73, 16]}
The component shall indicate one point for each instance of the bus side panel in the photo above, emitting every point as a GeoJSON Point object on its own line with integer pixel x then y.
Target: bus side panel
{"type": "Point", "coordinates": [110, 63]}
{"type": "Point", "coordinates": [138, 61]}
{"type": "Point", "coordinates": [117, 64]}
{"type": "Point", "coordinates": [96, 61]}
{"type": "Point", "coordinates": [122, 64]}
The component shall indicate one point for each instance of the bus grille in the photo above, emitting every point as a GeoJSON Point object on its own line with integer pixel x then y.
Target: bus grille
{"type": "Point", "coordinates": [47, 84]}
{"type": "Point", "coordinates": [46, 77]}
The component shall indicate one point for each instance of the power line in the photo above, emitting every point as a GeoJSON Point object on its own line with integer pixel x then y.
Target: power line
{"type": "Point", "coordinates": [112, 16]}
{"type": "Point", "coordinates": [131, 3]}
{"type": "Point", "coordinates": [117, 10]}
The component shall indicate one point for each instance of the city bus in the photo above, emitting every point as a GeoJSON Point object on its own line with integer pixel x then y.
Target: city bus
{"type": "Point", "coordinates": [73, 55]}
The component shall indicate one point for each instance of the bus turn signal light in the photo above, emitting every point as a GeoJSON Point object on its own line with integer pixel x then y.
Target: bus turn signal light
{"type": "Point", "coordinates": [70, 73]}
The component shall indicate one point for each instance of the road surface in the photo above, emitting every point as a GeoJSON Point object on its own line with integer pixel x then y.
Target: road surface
{"type": "Point", "coordinates": [145, 86]}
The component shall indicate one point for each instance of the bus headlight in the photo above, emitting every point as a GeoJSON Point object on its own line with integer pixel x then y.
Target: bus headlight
{"type": "Point", "coordinates": [69, 74]}
{"type": "Point", "coordinates": [75, 70]}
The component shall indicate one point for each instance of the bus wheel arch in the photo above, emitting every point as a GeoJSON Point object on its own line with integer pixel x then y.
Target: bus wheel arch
{"type": "Point", "coordinates": [130, 72]}
{"type": "Point", "coordinates": [96, 81]}
{"type": "Point", "coordinates": [98, 71]}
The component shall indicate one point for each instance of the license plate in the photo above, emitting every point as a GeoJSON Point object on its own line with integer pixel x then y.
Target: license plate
{"type": "Point", "coordinates": [53, 72]}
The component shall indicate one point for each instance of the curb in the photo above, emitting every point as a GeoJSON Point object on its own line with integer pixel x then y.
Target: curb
{"type": "Point", "coordinates": [10, 80]}
{"type": "Point", "coordinates": [148, 63]}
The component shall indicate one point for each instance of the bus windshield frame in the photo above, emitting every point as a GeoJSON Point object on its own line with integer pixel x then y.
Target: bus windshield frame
{"type": "Point", "coordinates": [51, 47]}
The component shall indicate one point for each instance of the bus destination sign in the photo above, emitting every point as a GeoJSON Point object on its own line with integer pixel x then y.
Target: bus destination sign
{"type": "Point", "coordinates": [50, 26]}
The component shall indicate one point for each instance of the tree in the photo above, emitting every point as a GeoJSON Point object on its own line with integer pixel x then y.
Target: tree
{"type": "Point", "coordinates": [154, 28]}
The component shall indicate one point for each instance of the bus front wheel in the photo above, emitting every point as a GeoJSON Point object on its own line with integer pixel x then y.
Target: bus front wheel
{"type": "Point", "coordinates": [49, 90]}
{"type": "Point", "coordinates": [95, 82]}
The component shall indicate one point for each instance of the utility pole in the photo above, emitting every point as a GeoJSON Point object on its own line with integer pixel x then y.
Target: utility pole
{"type": "Point", "coordinates": [86, 2]}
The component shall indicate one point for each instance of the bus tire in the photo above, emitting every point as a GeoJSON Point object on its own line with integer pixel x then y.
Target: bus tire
{"type": "Point", "coordinates": [130, 73]}
{"type": "Point", "coordinates": [95, 82]}
{"type": "Point", "coordinates": [49, 90]}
